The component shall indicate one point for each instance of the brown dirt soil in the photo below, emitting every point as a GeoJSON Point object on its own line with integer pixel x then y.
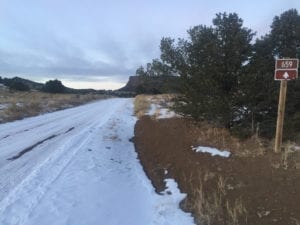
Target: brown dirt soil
{"type": "Point", "coordinates": [241, 189]}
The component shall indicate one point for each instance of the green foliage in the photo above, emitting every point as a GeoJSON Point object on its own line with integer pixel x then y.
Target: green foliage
{"type": "Point", "coordinates": [15, 84]}
{"type": "Point", "coordinates": [285, 34]}
{"type": "Point", "coordinates": [156, 84]}
{"type": "Point", "coordinates": [18, 86]}
{"type": "Point", "coordinates": [228, 80]}
{"type": "Point", "coordinates": [259, 92]}
{"type": "Point", "coordinates": [18, 83]}
{"type": "Point", "coordinates": [210, 64]}
{"type": "Point", "coordinates": [155, 68]}
{"type": "Point", "coordinates": [54, 86]}
{"type": "Point", "coordinates": [6, 81]}
{"type": "Point", "coordinates": [140, 71]}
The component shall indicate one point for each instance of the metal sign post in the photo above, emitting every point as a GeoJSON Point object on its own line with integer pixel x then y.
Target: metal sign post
{"type": "Point", "coordinates": [285, 69]}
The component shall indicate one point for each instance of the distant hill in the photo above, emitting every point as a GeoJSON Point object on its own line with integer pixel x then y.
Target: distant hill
{"type": "Point", "coordinates": [29, 83]}
{"type": "Point", "coordinates": [152, 84]}
{"type": "Point", "coordinates": [39, 86]}
{"type": "Point", "coordinates": [135, 85]}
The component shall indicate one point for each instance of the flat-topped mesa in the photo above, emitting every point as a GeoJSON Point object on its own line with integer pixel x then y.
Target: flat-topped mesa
{"type": "Point", "coordinates": [152, 84]}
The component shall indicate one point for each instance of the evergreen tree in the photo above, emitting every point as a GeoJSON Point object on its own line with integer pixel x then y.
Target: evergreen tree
{"type": "Point", "coordinates": [285, 36]}
{"type": "Point", "coordinates": [158, 68]}
{"type": "Point", "coordinates": [18, 86]}
{"type": "Point", "coordinates": [259, 92]}
{"type": "Point", "coordinates": [210, 64]}
{"type": "Point", "coordinates": [259, 99]}
{"type": "Point", "coordinates": [229, 81]}
{"type": "Point", "coordinates": [155, 68]}
{"type": "Point", "coordinates": [140, 71]}
{"type": "Point", "coordinates": [54, 86]}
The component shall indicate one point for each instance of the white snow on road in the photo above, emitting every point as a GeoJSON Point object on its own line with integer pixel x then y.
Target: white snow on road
{"type": "Point", "coordinates": [77, 167]}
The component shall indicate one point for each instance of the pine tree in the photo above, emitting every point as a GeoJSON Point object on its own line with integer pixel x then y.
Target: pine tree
{"type": "Point", "coordinates": [210, 64]}
{"type": "Point", "coordinates": [285, 36]}
{"type": "Point", "coordinates": [54, 86]}
{"type": "Point", "coordinates": [259, 98]}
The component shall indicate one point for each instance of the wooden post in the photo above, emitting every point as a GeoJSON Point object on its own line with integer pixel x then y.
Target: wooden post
{"type": "Point", "coordinates": [280, 116]}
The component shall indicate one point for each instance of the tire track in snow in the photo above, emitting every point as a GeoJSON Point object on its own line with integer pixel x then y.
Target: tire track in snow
{"type": "Point", "coordinates": [32, 189]}
{"type": "Point", "coordinates": [13, 172]}
{"type": "Point", "coordinates": [22, 128]}
{"type": "Point", "coordinates": [22, 131]}
{"type": "Point", "coordinates": [30, 148]}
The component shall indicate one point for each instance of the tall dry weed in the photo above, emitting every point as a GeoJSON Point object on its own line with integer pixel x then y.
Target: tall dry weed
{"type": "Point", "coordinates": [221, 138]}
{"type": "Point", "coordinates": [235, 211]}
{"type": "Point", "coordinates": [211, 206]}
{"type": "Point", "coordinates": [141, 105]}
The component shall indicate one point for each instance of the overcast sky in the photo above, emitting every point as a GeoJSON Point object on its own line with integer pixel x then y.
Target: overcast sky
{"type": "Point", "coordinates": [99, 44]}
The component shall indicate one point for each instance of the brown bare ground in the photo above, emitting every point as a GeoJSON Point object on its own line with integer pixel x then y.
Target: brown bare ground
{"type": "Point", "coordinates": [250, 187]}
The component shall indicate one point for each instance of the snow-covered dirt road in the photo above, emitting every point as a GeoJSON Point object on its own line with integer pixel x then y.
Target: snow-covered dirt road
{"type": "Point", "coordinates": [77, 167]}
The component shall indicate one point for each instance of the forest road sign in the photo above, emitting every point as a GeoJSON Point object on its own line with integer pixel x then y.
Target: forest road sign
{"type": "Point", "coordinates": [286, 69]}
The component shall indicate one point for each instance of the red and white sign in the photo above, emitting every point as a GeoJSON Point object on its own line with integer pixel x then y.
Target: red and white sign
{"type": "Point", "coordinates": [286, 69]}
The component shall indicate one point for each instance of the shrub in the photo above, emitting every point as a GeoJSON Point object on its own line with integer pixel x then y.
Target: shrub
{"type": "Point", "coordinates": [54, 86]}
{"type": "Point", "coordinates": [18, 86]}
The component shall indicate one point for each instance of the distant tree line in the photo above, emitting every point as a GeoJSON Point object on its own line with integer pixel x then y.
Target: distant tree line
{"type": "Point", "coordinates": [19, 84]}
{"type": "Point", "coordinates": [227, 78]}
{"type": "Point", "coordinates": [56, 86]}
{"type": "Point", "coordinates": [14, 84]}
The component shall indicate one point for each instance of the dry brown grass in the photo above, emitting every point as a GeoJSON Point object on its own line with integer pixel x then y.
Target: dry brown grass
{"type": "Point", "coordinates": [19, 105]}
{"type": "Point", "coordinates": [237, 213]}
{"type": "Point", "coordinates": [141, 105]}
{"type": "Point", "coordinates": [206, 208]}
{"type": "Point", "coordinates": [291, 156]}
{"type": "Point", "coordinates": [222, 139]}
{"type": "Point", "coordinates": [212, 207]}
{"type": "Point", "coordinates": [208, 135]}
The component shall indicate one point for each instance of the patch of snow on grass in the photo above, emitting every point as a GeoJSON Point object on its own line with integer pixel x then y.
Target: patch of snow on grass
{"type": "Point", "coordinates": [152, 111]}
{"type": "Point", "coordinates": [3, 106]}
{"type": "Point", "coordinates": [166, 113]}
{"type": "Point", "coordinates": [160, 113]}
{"type": "Point", "coordinates": [165, 171]}
{"type": "Point", "coordinates": [212, 151]}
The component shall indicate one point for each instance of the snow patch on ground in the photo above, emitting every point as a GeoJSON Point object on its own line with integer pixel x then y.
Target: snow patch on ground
{"type": "Point", "coordinates": [160, 112]}
{"type": "Point", "coordinates": [3, 106]}
{"type": "Point", "coordinates": [166, 113]}
{"type": "Point", "coordinates": [212, 151]}
{"type": "Point", "coordinates": [171, 215]}
{"type": "Point", "coordinates": [152, 110]}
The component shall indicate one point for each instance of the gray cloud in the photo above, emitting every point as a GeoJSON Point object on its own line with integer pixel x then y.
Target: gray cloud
{"type": "Point", "coordinates": [59, 57]}
{"type": "Point", "coordinates": [98, 38]}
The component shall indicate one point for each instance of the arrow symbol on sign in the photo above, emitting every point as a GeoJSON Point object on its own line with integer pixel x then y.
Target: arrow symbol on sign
{"type": "Point", "coordinates": [286, 75]}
